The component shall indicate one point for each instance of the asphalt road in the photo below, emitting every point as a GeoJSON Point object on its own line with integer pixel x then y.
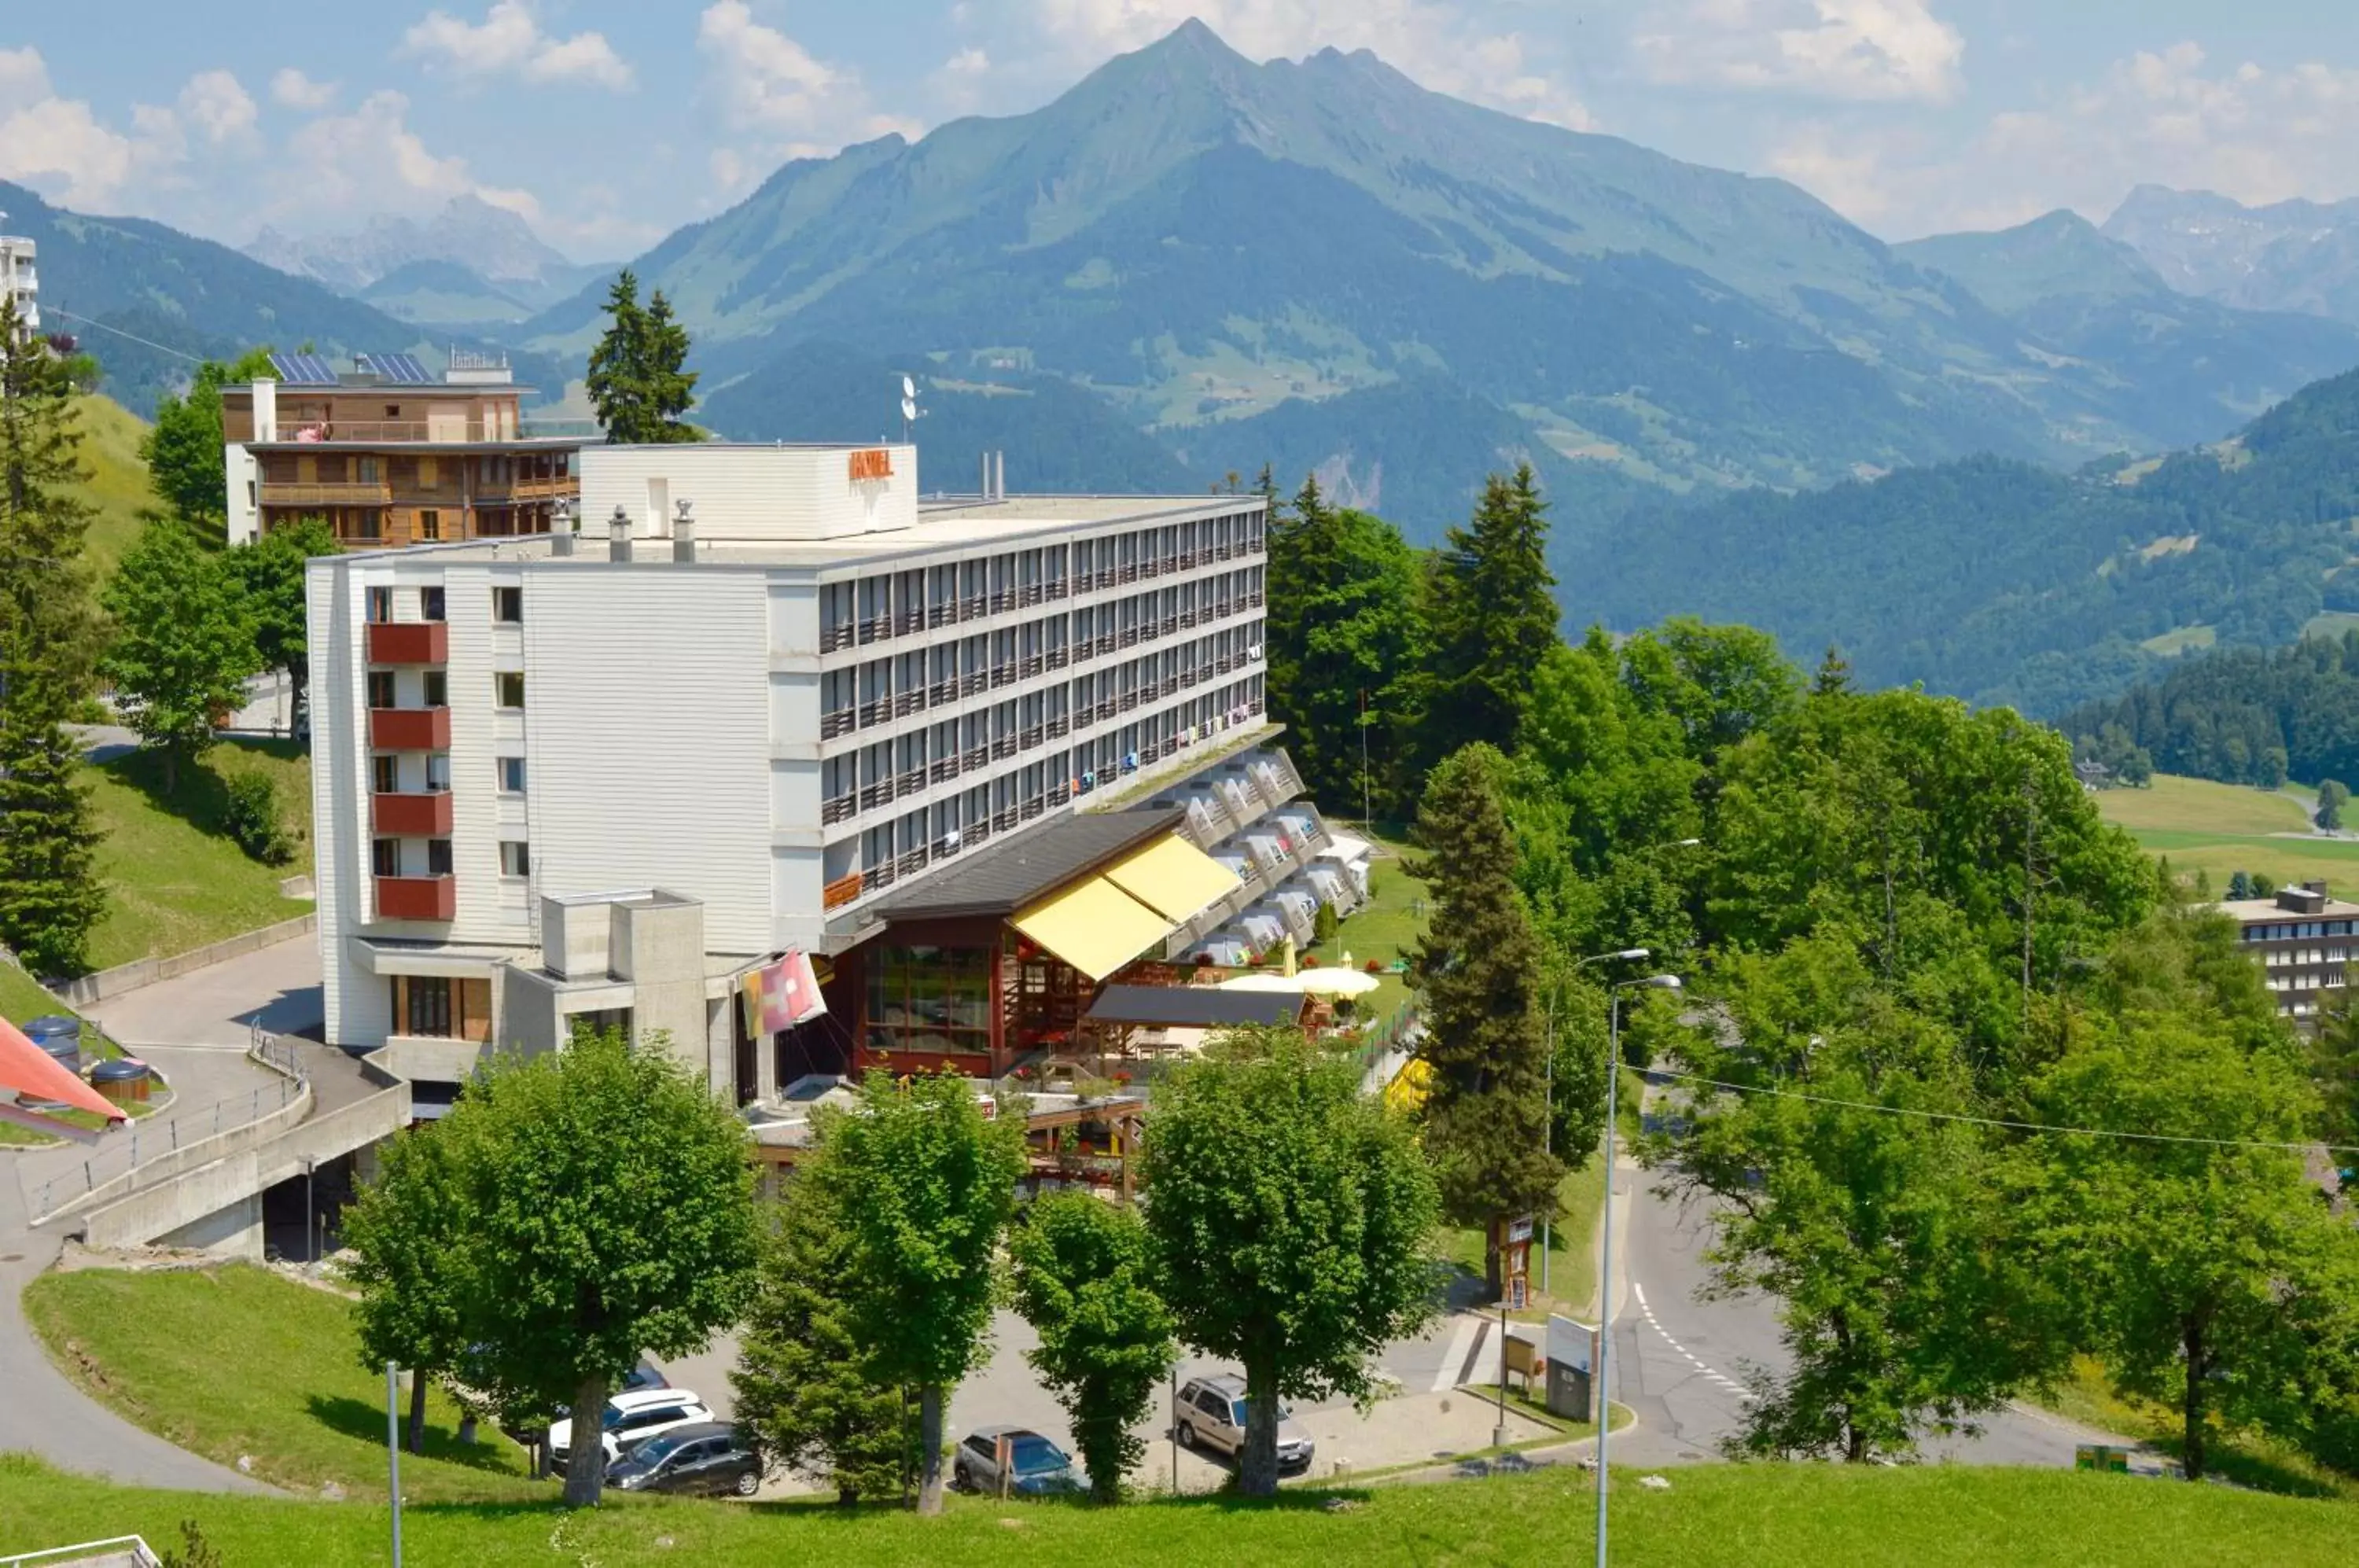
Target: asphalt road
{"type": "Point", "coordinates": [1682, 1363]}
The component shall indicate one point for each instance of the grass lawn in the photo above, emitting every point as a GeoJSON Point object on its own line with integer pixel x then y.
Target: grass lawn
{"type": "Point", "coordinates": [174, 880]}
{"type": "Point", "coordinates": [1763, 1515]}
{"type": "Point", "coordinates": [2221, 829]}
{"type": "Point", "coordinates": [2250, 1459]}
{"type": "Point", "coordinates": [238, 1361]}
{"type": "Point", "coordinates": [117, 484]}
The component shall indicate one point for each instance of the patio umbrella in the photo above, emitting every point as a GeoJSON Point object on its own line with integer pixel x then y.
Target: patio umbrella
{"type": "Point", "coordinates": [1261, 981]}
{"type": "Point", "coordinates": [1337, 982]}
{"type": "Point", "coordinates": [34, 1074]}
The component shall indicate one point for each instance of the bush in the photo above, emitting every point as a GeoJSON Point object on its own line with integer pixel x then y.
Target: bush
{"type": "Point", "coordinates": [1323, 924]}
{"type": "Point", "coordinates": [1310, 961]}
{"type": "Point", "coordinates": [1375, 966]}
{"type": "Point", "coordinates": [251, 817]}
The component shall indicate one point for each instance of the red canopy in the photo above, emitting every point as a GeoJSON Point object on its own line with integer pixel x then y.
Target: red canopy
{"type": "Point", "coordinates": [35, 1075]}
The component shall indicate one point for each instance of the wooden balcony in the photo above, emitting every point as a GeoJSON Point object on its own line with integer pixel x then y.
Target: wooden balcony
{"type": "Point", "coordinates": [354, 494]}
{"type": "Point", "coordinates": [418, 816]}
{"type": "Point", "coordinates": [842, 891]}
{"type": "Point", "coordinates": [409, 642]}
{"type": "Point", "coordinates": [417, 898]}
{"type": "Point", "coordinates": [409, 729]}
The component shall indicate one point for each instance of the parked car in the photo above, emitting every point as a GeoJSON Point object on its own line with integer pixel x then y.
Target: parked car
{"type": "Point", "coordinates": [1212, 1412]}
{"type": "Point", "coordinates": [645, 1376]}
{"type": "Point", "coordinates": [707, 1458]}
{"type": "Point", "coordinates": [631, 1419]}
{"type": "Point", "coordinates": [1036, 1466]}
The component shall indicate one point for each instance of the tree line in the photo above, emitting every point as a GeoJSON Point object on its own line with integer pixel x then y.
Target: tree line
{"type": "Point", "coordinates": [2239, 716]}
{"type": "Point", "coordinates": [1911, 945]}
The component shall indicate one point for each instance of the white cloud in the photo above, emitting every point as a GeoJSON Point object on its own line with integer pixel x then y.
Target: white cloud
{"type": "Point", "coordinates": [772, 86]}
{"type": "Point", "coordinates": [1431, 40]}
{"type": "Point", "coordinates": [1864, 50]}
{"type": "Point", "coordinates": [291, 89]}
{"type": "Point", "coordinates": [217, 104]}
{"type": "Point", "coordinates": [2165, 116]}
{"type": "Point", "coordinates": [510, 41]}
{"type": "Point", "coordinates": [370, 160]}
{"type": "Point", "coordinates": [60, 146]}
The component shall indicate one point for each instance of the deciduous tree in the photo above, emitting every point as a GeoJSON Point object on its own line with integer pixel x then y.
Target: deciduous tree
{"type": "Point", "coordinates": [924, 1184]}
{"type": "Point", "coordinates": [182, 647]}
{"type": "Point", "coordinates": [1083, 1280]}
{"type": "Point", "coordinates": [272, 571]}
{"type": "Point", "coordinates": [1289, 1221]}
{"type": "Point", "coordinates": [2332, 797]}
{"type": "Point", "coordinates": [184, 448]}
{"type": "Point", "coordinates": [1485, 1114]}
{"type": "Point", "coordinates": [407, 1234]}
{"type": "Point", "coordinates": [803, 1382]}
{"type": "Point", "coordinates": [609, 1215]}
{"type": "Point", "coordinates": [49, 896]}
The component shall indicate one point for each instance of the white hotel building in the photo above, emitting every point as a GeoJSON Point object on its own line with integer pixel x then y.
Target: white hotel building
{"type": "Point", "coordinates": [759, 691]}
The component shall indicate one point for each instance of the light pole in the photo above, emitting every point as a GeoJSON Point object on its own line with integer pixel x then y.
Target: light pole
{"type": "Point", "coordinates": [1605, 1269]}
{"type": "Point", "coordinates": [1548, 1127]}
{"type": "Point", "coordinates": [392, 1451]}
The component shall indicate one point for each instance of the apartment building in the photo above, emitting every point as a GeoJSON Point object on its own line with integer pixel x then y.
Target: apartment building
{"type": "Point", "coordinates": [20, 280]}
{"type": "Point", "coordinates": [390, 454]}
{"type": "Point", "coordinates": [765, 691]}
{"type": "Point", "coordinates": [2303, 939]}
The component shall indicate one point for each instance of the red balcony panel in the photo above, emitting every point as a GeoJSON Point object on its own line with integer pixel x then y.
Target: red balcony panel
{"type": "Point", "coordinates": [409, 642]}
{"type": "Point", "coordinates": [409, 729]}
{"type": "Point", "coordinates": [418, 816]}
{"type": "Point", "coordinates": [417, 898]}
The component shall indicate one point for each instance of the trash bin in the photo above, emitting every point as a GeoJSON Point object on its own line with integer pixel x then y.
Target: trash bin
{"type": "Point", "coordinates": [59, 1035]}
{"type": "Point", "coordinates": [124, 1080]}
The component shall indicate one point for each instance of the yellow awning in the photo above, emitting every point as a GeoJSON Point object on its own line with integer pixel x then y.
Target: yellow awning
{"type": "Point", "coordinates": [1095, 927]}
{"type": "Point", "coordinates": [1173, 877]}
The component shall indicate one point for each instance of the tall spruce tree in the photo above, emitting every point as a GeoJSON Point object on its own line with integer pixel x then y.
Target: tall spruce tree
{"type": "Point", "coordinates": [1493, 613]}
{"type": "Point", "coordinates": [638, 382]}
{"type": "Point", "coordinates": [1485, 1117]}
{"type": "Point", "coordinates": [49, 898]}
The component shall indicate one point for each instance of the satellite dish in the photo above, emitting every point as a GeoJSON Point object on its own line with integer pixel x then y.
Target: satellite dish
{"type": "Point", "coordinates": [908, 410]}
{"type": "Point", "coordinates": [908, 389]}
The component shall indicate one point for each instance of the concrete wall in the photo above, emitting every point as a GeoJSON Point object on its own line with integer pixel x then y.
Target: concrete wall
{"type": "Point", "coordinates": [659, 947]}
{"type": "Point", "coordinates": [746, 491]}
{"type": "Point", "coordinates": [93, 988]}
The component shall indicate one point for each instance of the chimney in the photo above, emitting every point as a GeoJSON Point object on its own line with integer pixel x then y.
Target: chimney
{"type": "Point", "coordinates": [683, 535]}
{"type": "Point", "coordinates": [560, 530]}
{"type": "Point", "coordinates": [265, 408]}
{"type": "Point", "coordinates": [983, 486]}
{"type": "Point", "coordinates": [999, 476]}
{"type": "Point", "coordinates": [618, 536]}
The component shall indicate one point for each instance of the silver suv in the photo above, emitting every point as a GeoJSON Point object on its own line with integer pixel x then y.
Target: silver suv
{"type": "Point", "coordinates": [1211, 1414]}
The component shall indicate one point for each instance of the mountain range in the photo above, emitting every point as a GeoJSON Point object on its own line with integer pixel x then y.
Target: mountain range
{"type": "Point", "coordinates": [1322, 265]}
{"type": "Point", "coordinates": [2289, 256]}
{"type": "Point", "coordinates": [472, 262]}
{"type": "Point", "coordinates": [2006, 582]}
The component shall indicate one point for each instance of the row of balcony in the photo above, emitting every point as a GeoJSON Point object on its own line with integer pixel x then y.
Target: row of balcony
{"type": "Point", "coordinates": [908, 623]}
{"type": "Point", "coordinates": [409, 642]}
{"type": "Point", "coordinates": [845, 890]}
{"type": "Point", "coordinates": [418, 897]}
{"type": "Point", "coordinates": [885, 709]}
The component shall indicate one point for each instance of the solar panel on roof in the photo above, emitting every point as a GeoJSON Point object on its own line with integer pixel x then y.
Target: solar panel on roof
{"type": "Point", "coordinates": [402, 369]}
{"type": "Point", "coordinates": [303, 369]}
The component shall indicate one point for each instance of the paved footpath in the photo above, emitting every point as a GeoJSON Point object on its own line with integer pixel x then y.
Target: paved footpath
{"type": "Point", "coordinates": [202, 1016]}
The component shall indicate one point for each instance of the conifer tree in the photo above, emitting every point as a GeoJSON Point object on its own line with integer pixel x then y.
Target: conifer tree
{"type": "Point", "coordinates": [1478, 966]}
{"type": "Point", "coordinates": [49, 898]}
{"type": "Point", "coordinates": [1494, 613]}
{"type": "Point", "coordinates": [638, 382]}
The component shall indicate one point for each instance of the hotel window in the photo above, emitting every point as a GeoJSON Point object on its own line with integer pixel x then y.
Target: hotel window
{"type": "Point", "coordinates": [512, 775]}
{"type": "Point", "coordinates": [438, 772]}
{"type": "Point", "coordinates": [381, 690]}
{"type": "Point", "coordinates": [507, 605]}
{"type": "Point", "coordinates": [439, 1006]}
{"type": "Point", "coordinates": [438, 688]}
{"type": "Point", "coordinates": [430, 604]}
{"type": "Point", "coordinates": [380, 606]}
{"type": "Point", "coordinates": [368, 469]}
{"type": "Point", "coordinates": [438, 857]}
{"type": "Point", "coordinates": [931, 999]}
{"type": "Point", "coordinates": [516, 857]}
{"type": "Point", "coordinates": [508, 687]}
{"type": "Point", "coordinates": [384, 856]}
{"type": "Point", "coordinates": [430, 523]}
{"type": "Point", "coordinates": [385, 775]}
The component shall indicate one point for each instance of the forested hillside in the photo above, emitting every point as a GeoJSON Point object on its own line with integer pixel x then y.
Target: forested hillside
{"type": "Point", "coordinates": [2241, 716]}
{"type": "Point", "coordinates": [2007, 583]}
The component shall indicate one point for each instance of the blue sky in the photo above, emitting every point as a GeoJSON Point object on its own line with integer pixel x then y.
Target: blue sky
{"type": "Point", "coordinates": [608, 123]}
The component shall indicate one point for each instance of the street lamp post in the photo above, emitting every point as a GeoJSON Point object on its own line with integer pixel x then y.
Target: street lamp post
{"type": "Point", "coordinates": [1605, 1270]}
{"type": "Point", "coordinates": [1548, 1127]}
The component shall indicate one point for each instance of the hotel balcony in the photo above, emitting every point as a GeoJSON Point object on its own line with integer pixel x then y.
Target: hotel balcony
{"type": "Point", "coordinates": [409, 729]}
{"type": "Point", "coordinates": [409, 642]}
{"type": "Point", "coordinates": [416, 816]}
{"type": "Point", "coordinates": [357, 493]}
{"type": "Point", "coordinates": [417, 898]}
